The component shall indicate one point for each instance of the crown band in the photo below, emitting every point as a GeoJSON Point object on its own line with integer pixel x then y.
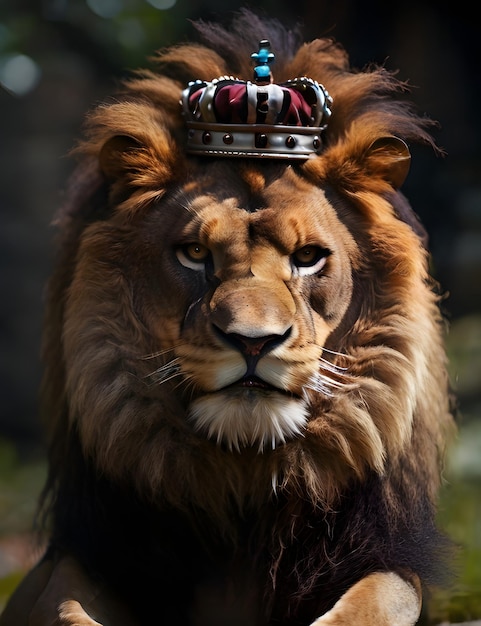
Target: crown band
{"type": "Point", "coordinates": [254, 140]}
{"type": "Point", "coordinates": [234, 118]}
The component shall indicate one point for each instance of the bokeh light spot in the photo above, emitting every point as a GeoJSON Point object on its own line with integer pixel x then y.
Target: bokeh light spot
{"type": "Point", "coordinates": [162, 4]}
{"type": "Point", "coordinates": [19, 73]}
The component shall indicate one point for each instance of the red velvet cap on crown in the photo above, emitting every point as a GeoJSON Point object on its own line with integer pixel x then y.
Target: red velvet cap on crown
{"type": "Point", "coordinates": [234, 118]}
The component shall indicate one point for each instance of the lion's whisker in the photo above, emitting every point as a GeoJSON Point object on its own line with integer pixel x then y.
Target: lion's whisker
{"type": "Point", "coordinates": [343, 354]}
{"type": "Point", "coordinates": [323, 384]}
{"type": "Point", "coordinates": [155, 355]}
{"type": "Point", "coordinates": [163, 381]}
{"type": "Point", "coordinates": [165, 372]}
{"type": "Point", "coordinates": [326, 384]}
{"type": "Point", "coordinates": [332, 367]}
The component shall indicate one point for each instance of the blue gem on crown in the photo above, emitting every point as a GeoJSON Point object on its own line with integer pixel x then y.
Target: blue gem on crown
{"type": "Point", "coordinates": [234, 118]}
{"type": "Point", "coordinates": [264, 57]}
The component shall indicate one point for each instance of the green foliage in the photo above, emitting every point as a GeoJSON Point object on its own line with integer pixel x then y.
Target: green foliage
{"type": "Point", "coordinates": [460, 515]}
{"type": "Point", "coordinates": [8, 584]}
{"type": "Point", "coordinates": [20, 486]}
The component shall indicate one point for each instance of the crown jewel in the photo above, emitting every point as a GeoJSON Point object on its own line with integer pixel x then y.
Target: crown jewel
{"type": "Point", "coordinates": [259, 118]}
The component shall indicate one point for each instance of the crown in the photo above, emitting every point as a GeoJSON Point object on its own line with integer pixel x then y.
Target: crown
{"type": "Point", "coordinates": [234, 118]}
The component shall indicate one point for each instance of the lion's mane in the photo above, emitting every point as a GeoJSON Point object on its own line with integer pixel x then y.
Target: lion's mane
{"type": "Point", "coordinates": [357, 492]}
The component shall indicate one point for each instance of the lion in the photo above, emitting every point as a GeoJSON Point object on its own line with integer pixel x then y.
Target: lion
{"type": "Point", "coordinates": [246, 390]}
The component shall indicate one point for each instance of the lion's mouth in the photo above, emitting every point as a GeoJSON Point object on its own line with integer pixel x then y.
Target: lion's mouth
{"type": "Point", "coordinates": [249, 412]}
{"type": "Point", "coordinates": [255, 383]}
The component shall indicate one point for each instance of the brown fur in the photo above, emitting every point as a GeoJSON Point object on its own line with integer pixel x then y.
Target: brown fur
{"type": "Point", "coordinates": [356, 492]}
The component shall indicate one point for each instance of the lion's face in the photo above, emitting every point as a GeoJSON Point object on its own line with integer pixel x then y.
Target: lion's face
{"type": "Point", "coordinates": [259, 289]}
{"type": "Point", "coordinates": [236, 289]}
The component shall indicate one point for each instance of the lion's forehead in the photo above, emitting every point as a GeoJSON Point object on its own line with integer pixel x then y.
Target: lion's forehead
{"type": "Point", "coordinates": [280, 220]}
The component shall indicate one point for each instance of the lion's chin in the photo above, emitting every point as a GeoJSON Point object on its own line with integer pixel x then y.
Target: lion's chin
{"type": "Point", "coordinates": [242, 417]}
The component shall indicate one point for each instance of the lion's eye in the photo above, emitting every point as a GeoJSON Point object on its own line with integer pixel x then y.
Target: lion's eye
{"type": "Point", "coordinates": [309, 259]}
{"type": "Point", "coordinates": [193, 255]}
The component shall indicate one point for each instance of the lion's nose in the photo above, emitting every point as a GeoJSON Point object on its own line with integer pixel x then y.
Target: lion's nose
{"type": "Point", "coordinates": [252, 348]}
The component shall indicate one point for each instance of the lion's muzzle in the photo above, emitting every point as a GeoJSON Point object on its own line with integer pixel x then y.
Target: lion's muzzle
{"type": "Point", "coordinates": [252, 317]}
{"type": "Point", "coordinates": [253, 309]}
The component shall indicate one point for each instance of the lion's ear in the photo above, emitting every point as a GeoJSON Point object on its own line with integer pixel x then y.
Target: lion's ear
{"type": "Point", "coordinates": [113, 157]}
{"type": "Point", "coordinates": [390, 157]}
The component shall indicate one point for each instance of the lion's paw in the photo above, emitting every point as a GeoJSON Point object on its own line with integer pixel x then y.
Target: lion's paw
{"type": "Point", "coordinates": [382, 598]}
{"type": "Point", "coordinates": [71, 613]}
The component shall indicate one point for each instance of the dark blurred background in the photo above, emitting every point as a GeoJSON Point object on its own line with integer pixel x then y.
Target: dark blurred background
{"type": "Point", "coordinates": [60, 57]}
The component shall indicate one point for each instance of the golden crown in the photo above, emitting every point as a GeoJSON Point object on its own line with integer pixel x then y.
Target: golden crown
{"type": "Point", "coordinates": [234, 118]}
